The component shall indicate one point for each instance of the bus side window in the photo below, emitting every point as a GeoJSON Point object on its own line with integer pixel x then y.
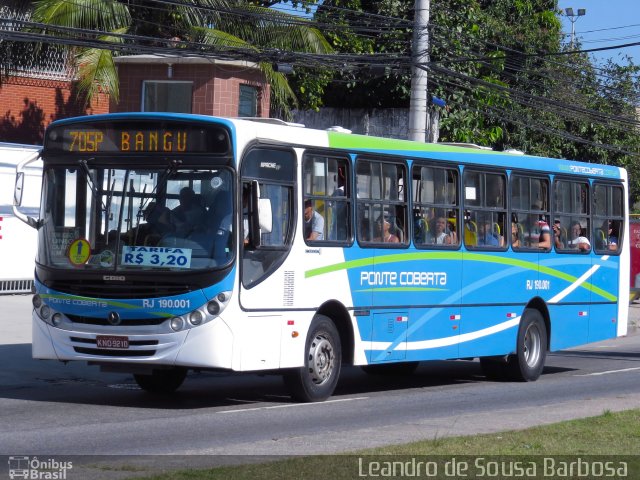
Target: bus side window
{"type": "Point", "coordinates": [529, 206]}
{"type": "Point", "coordinates": [572, 209]}
{"type": "Point", "coordinates": [382, 212]}
{"type": "Point", "coordinates": [435, 206]}
{"type": "Point", "coordinates": [326, 187]}
{"type": "Point", "coordinates": [608, 217]}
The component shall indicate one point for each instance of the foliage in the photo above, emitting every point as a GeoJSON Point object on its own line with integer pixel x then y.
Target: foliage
{"type": "Point", "coordinates": [504, 74]}
{"type": "Point", "coordinates": [206, 27]}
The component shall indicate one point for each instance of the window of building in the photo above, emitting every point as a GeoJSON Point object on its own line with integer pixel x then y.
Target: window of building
{"type": "Point", "coordinates": [166, 96]}
{"type": "Point", "coordinates": [327, 199]}
{"type": "Point", "coordinates": [381, 203]}
{"type": "Point", "coordinates": [435, 206]}
{"type": "Point", "coordinates": [248, 103]}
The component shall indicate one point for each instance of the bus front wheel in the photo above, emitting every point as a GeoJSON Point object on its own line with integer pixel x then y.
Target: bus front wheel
{"type": "Point", "coordinates": [317, 379]}
{"type": "Point", "coordinates": [528, 362]}
{"type": "Point", "coordinates": [161, 381]}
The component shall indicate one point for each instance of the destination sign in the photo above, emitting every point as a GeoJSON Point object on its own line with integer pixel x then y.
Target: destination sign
{"type": "Point", "coordinates": [128, 141]}
{"type": "Point", "coordinates": [142, 137]}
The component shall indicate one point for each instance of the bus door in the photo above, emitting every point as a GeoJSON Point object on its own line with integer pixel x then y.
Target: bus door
{"type": "Point", "coordinates": [266, 218]}
{"type": "Point", "coordinates": [608, 232]}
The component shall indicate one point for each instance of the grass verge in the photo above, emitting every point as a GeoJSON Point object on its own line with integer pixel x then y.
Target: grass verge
{"type": "Point", "coordinates": [603, 445]}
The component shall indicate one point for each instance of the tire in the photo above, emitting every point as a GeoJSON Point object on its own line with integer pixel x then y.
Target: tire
{"type": "Point", "coordinates": [161, 381]}
{"type": "Point", "coordinates": [528, 362]}
{"type": "Point", "coordinates": [402, 369]}
{"type": "Point", "coordinates": [317, 380]}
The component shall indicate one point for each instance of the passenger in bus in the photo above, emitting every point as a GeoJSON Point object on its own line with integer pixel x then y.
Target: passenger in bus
{"type": "Point", "coordinates": [420, 228]}
{"type": "Point", "coordinates": [488, 236]}
{"type": "Point", "coordinates": [451, 227]}
{"type": "Point", "coordinates": [557, 234]}
{"type": "Point", "coordinates": [544, 239]}
{"type": "Point", "coordinates": [577, 239]}
{"type": "Point", "coordinates": [611, 235]}
{"type": "Point", "coordinates": [158, 218]}
{"type": "Point", "coordinates": [438, 232]}
{"type": "Point", "coordinates": [383, 226]}
{"type": "Point", "coordinates": [515, 235]}
{"type": "Point", "coordinates": [313, 223]}
{"type": "Point", "coordinates": [189, 215]}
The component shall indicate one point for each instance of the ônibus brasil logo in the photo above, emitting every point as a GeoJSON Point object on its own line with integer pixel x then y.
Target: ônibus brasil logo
{"type": "Point", "coordinates": [34, 468]}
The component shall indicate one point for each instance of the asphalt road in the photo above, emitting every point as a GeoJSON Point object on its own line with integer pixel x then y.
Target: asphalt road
{"type": "Point", "coordinates": [48, 408]}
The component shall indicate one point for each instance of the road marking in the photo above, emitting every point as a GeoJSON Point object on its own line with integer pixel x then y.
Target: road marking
{"type": "Point", "coordinates": [607, 372]}
{"type": "Point", "coordinates": [289, 405]}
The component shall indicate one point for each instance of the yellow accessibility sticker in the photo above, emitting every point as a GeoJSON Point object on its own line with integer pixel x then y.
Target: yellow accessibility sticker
{"type": "Point", "coordinates": [79, 251]}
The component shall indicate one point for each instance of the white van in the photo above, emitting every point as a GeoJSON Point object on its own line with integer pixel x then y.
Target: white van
{"type": "Point", "coordinates": [18, 240]}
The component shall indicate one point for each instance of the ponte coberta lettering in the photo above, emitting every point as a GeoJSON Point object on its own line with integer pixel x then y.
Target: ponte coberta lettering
{"type": "Point", "coordinates": [403, 279]}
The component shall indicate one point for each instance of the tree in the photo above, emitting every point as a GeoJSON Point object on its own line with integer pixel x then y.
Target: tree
{"type": "Point", "coordinates": [205, 27]}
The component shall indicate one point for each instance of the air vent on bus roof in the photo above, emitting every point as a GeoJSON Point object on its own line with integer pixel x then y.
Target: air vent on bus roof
{"type": "Point", "coordinates": [466, 145]}
{"type": "Point", "coordinates": [273, 121]}
{"type": "Point", "coordinates": [513, 151]}
{"type": "Point", "coordinates": [337, 128]}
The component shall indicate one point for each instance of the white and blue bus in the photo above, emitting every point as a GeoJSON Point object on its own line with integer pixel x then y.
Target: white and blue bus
{"type": "Point", "coordinates": [170, 242]}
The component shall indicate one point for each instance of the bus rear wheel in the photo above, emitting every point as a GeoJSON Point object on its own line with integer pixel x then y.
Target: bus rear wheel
{"type": "Point", "coordinates": [531, 351]}
{"type": "Point", "coordinates": [528, 362]}
{"type": "Point", "coordinates": [317, 379]}
{"type": "Point", "coordinates": [161, 381]}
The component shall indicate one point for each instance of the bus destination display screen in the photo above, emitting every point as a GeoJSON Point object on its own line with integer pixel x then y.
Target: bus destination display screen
{"type": "Point", "coordinates": [96, 138]}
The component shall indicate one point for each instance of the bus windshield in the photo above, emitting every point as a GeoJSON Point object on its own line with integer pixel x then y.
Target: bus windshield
{"type": "Point", "coordinates": [145, 219]}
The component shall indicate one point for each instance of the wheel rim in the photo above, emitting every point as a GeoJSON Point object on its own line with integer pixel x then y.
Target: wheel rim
{"type": "Point", "coordinates": [321, 359]}
{"type": "Point", "coordinates": [532, 345]}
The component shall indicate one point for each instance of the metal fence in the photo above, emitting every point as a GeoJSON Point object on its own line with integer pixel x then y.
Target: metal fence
{"type": "Point", "coordinates": [15, 286]}
{"type": "Point", "coordinates": [50, 63]}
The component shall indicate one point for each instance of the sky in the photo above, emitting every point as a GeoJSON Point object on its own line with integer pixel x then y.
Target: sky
{"type": "Point", "coordinates": [618, 22]}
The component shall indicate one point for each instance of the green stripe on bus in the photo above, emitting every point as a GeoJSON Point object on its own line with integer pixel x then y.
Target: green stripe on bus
{"type": "Point", "coordinates": [476, 257]}
{"type": "Point", "coordinates": [350, 141]}
{"type": "Point", "coordinates": [110, 303]}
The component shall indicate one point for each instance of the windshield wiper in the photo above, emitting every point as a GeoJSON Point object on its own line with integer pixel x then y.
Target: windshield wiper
{"type": "Point", "coordinates": [92, 186]}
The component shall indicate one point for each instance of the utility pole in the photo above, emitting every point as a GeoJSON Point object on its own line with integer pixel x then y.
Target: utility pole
{"type": "Point", "coordinates": [420, 56]}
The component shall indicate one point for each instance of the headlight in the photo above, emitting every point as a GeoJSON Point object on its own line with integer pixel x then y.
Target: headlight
{"type": "Point", "coordinates": [37, 301]}
{"type": "Point", "coordinates": [201, 315]}
{"type": "Point", "coordinates": [45, 311]}
{"type": "Point", "coordinates": [196, 317]}
{"type": "Point", "coordinates": [213, 307]}
{"type": "Point", "coordinates": [177, 324]}
{"type": "Point", "coordinates": [56, 319]}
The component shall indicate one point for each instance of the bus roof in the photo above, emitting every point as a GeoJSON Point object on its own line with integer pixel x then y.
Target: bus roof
{"type": "Point", "coordinates": [302, 136]}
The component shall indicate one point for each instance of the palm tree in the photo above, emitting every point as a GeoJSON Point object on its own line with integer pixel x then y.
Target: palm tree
{"type": "Point", "coordinates": [215, 28]}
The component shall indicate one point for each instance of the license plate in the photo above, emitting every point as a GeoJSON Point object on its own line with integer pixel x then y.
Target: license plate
{"type": "Point", "coordinates": [112, 341]}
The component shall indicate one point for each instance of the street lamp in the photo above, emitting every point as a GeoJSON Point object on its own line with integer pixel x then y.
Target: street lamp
{"type": "Point", "coordinates": [573, 18]}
